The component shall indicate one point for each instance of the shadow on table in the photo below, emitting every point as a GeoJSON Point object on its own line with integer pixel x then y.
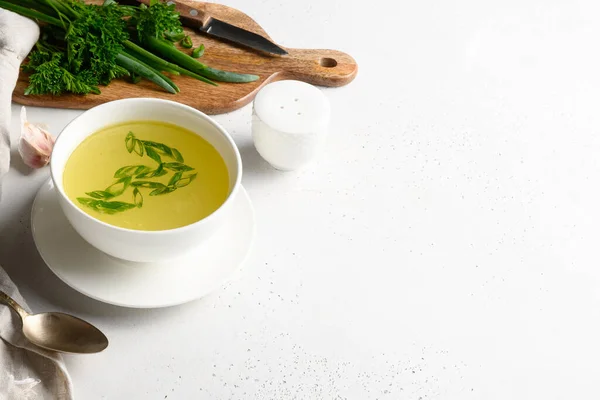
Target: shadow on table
{"type": "Point", "coordinates": [253, 162]}
{"type": "Point", "coordinates": [16, 162]}
{"type": "Point", "coordinates": [40, 287]}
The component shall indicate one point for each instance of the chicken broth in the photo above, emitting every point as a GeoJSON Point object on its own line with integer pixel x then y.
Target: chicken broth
{"type": "Point", "coordinates": [146, 175]}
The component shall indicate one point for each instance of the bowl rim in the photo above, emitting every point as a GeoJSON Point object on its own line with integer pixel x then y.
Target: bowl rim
{"type": "Point", "coordinates": [199, 114]}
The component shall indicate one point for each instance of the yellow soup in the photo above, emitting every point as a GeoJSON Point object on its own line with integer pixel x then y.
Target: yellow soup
{"type": "Point", "coordinates": [146, 175]}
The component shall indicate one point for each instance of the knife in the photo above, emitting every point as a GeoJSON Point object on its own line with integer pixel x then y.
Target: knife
{"type": "Point", "coordinates": [198, 18]}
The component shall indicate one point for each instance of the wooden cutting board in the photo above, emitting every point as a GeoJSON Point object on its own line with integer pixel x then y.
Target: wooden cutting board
{"type": "Point", "coordinates": [318, 67]}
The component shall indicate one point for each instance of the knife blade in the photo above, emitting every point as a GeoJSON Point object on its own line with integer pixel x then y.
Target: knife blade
{"type": "Point", "coordinates": [198, 18]}
{"type": "Point", "coordinates": [232, 33]}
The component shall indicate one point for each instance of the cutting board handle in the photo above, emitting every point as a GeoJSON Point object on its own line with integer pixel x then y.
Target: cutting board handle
{"type": "Point", "coordinates": [319, 67]}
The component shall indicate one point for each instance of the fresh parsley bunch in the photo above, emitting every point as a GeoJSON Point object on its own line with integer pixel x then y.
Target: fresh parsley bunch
{"type": "Point", "coordinates": [84, 46]}
{"type": "Point", "coordinates": [83, 58]}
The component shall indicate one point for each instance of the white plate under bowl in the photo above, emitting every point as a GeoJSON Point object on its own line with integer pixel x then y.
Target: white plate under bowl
{"type": "Point", "coordinates": [104, 278]}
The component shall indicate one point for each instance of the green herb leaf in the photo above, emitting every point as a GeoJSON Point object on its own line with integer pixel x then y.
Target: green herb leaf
{"type": "Point", "coordinates": [153, 154]}
{"type": "Point", "coordinates": [174, 36]}
{"type": "Point", "coordinates": [165, 190]}
{"type": "Point", "coordinates": [131, 170]}
{"type": "Point", "coordinates": [177, 155]}
{"type": "Point", "coordinates": [114, 206]}
{"type": "Point", "coordinates": [85, 201]}
{"type": "Point", "coordinates": [130, 142]}
{"type": "Point", "coordinates": [185, 181]}
{"type": "Point", "coordinates": [145, 175]}
{"type": "Point", "coordinates": [117, 188]}
{"type": "Point", "coordinates": [198, 51]}
{"type": "Point", "coordinates": [105, 207]}
{"type": "Point", "coordinates": [160, 171]}
{"type": "Point", "coordinates": [164, 149]}
{"type": "Point", "coordinates": [147, 184]}
{"type": "Point", "coordinates": [100, 194]}
{"type": "Point", "coordinates": [175, 178]}
{"type": "Point", "coordinates": [157, 19]}
{"type": "Point", "coordinates": [177, 166]}
{"type": "Point", "coordinates": [138, 147]}
{"type": "Point", "coordinates": [187, 42]}
{"type": "Point", "coordinates": [138, 199]}
{"type": "Point", "coordinates": [141, 169]}
{"type": "Point", "coordinates": [135, 78]}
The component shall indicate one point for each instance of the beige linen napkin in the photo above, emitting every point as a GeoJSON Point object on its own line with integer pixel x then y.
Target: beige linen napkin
{"type": "Point", "coordinates": [27, 372]}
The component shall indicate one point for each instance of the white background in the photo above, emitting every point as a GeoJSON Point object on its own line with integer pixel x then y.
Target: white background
{"type": "Point", "coordinates": [444, 246]}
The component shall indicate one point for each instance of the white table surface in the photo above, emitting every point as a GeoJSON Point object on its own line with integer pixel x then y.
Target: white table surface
{"type": "Point", "coordinates": [445, 246]}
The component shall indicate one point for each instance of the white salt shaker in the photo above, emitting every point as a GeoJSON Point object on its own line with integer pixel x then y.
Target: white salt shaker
{"type": "Point", "coordinates": [289, 123]}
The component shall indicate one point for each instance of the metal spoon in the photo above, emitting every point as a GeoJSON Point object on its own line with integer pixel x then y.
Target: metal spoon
{"type": "Point", "coordinates": [58, 331]}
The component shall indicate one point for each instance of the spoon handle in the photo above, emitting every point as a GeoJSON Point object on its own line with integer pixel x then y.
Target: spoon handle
{"type": "Point", "coordinates": [6, 299]}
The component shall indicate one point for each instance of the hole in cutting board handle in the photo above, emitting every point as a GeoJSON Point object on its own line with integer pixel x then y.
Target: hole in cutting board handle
{"type": "Point", "coordinates": [328, 62]}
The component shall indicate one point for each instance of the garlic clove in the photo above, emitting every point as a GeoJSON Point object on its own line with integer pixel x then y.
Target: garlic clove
{"type": "Point", "coordinates": [35, 144]}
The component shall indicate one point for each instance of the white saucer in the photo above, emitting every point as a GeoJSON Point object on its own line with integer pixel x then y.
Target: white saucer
{"type": "Point", "coordinates": [152, 285]}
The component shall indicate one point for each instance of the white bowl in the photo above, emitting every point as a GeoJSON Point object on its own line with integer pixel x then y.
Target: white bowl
{"type": "Point", "coordinates": [135, 245]}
